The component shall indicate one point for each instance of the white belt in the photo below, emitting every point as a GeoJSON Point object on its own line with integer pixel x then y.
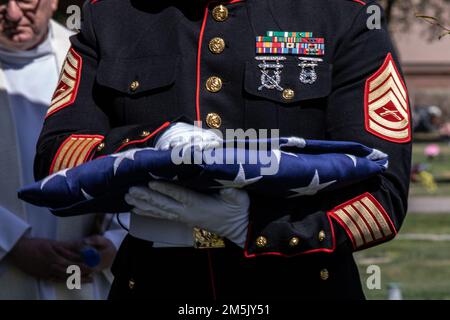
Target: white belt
{"type": "Point", "coordinates": [163, 233]}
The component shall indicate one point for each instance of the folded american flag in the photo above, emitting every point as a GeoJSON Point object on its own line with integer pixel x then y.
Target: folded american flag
{"type": "Point", "coordinates": [297, 167]}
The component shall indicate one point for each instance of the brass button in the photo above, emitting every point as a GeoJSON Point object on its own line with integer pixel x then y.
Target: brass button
{"type": "Point", "coordinates": [220, 13]}
{"type": "Point", "coordinates": [261, 242]}
{"type": "Point", "coordinates": [217, 45]}
{"type": "Point", "coordinates": [322, 236]}
{"type": "Point", "coordinates": [324, 274]}
{"type": "Point", "coordinates": [134, 85]}
{"type": "Point", "coordinates": [101, 146]}
{"type": "Point", "coordinates": [288, 94]}
{"type": "Point", "coordinates": [213, 120]}
{"type": "Point", "coordinates": [214, 84]}
{"type": "Point", "coordinates": [131, 284]}
{"type": "Point", "coordinates": [125, 141]}
{"type": "Point", "coordinates": [295, 241]}
{"type": "Point", "coordinates": [145, 134]}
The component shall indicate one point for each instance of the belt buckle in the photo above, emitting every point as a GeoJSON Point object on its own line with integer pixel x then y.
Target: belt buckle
{"type": "Point", "coordinates": [207, 240]}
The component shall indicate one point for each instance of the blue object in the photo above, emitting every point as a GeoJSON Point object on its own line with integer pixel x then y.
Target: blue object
{"type": "Point", "coordinates": [91, 257]}
{"type": "Point", "coordinates": [304, 168]}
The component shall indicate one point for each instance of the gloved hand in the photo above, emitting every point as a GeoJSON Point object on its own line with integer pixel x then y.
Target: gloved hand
{"type": "Point", "coordinates": [183, 135]}
{"type": "Point", "coordinates": [225, 214]}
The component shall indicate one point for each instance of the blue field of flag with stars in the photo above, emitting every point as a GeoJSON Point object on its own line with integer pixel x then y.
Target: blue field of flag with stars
{"type": "Point", "coordinates": [297, 168]}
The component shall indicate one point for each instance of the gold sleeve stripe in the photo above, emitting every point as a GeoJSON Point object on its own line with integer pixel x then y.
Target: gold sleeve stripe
{"type": "Point", "coordinates": [70, 154]}
{"type": "Point", "coordinates": [84, 152]}
{"type": "Point", "coordinates": [369, 219]}
{"type": "Point", "coordinates": [80, 148]}
{"type": "Point", "coordinates": [364, 220]}
{"type": "Point", "coordinates": [74, 151]}
{"type": "Point", "coordinates": [378, 216]}
{"type": "Point", "coordinates": [350, 225]}
{"type": "Point", "coordinates": [357, 217]}
{"type": "Point", "coordinates": [62, 154]}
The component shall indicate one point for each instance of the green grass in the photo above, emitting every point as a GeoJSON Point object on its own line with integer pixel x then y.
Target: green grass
{"type": "Point", "coordinates": [439, 167]}
{"type": "Point", "coordinates": [422, 268]}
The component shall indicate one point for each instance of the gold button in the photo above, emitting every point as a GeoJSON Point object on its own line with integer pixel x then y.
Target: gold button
{"type": "Point", "coordinates": [145, 134]}
{"type": "Point", "coordinates": [322, 236]}
{"type": "Point", "coordinates": [101, 146]}
{"type": "Point", "coordinates": [131, 284]}
{"type": "Point", "coordinates": [214, 84]}
{"type": "Point", "coordinates": [213, 120]}
{"type": "Point", "coordinates": [288, 94]}
{"type": "Point", "coordinates": [125, 141]}
{"type": "Point", "coordinates": [261, 242]}
{"type": "Point", "coordinates": [295, 241]}
{"type": "Point", "coordinates": [324, 274]}
{"type": "Point", "coordinates": [220, 13]}
{"type": "Point", "coordinates": [217, 45]}
{"type": "Point", "coordinates": [134, 85]}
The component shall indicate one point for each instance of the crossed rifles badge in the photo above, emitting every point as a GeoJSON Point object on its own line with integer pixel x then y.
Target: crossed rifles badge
{"type": "Point", "coordinates": [275, 45]}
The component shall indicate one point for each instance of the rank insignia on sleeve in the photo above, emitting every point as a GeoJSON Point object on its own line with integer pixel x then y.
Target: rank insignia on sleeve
{"type": "Point", "coordinates": [290, 43]}
{"type": "Point", "coordinates": [365, 221]}
{"type": "Point", "coordinates": [69, 81]}
{"type": "Point", "coordinates": [387, 113]}
{"type": "Point", "coordinates": [74, 151]}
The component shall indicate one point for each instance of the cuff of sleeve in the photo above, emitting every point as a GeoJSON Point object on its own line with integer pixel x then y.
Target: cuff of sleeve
{"type": "Point", "coordinates": [142, 136]}
{"type": "Point", "coordinates": [12, 228]}
{"type": "Point", "coordinates": [137, 137]}
{"type": "Point", "coordinates": [313, 234]}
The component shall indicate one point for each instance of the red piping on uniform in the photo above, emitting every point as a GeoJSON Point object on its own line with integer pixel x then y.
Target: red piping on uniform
{"type": "Point", "coordinates": [360, 2]}
{"type": "Point", "coordinates": [199, 56]}
{"type": "Point", "coordinates": [165, 125]}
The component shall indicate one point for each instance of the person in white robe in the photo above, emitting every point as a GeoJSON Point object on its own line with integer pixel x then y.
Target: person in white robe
{"type": "Point", "coordinates": [36, 248]}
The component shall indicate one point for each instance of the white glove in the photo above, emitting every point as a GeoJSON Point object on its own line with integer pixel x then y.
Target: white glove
{"type": "Point", "coordinates": [183, 135]}
{"type": "Point", "coordinates": [225, 214]}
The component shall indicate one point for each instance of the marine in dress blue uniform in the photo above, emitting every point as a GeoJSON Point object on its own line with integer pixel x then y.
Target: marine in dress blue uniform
{"type": "Point", "coordinates": [310, 68]}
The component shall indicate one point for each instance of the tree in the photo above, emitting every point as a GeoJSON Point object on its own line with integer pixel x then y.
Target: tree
{"type": "Point", "coordinates": [403, 12]}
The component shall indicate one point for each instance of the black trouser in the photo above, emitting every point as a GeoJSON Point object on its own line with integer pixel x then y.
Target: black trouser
{"type": "Point", "coordinates": [186, 274]}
